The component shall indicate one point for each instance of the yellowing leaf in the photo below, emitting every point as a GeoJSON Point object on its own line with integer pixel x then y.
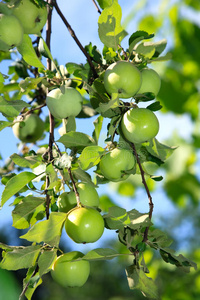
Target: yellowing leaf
{"type": "Point", "coordinates": [110, 30]}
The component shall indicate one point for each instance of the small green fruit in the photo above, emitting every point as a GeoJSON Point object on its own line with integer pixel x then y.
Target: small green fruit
{"type": "Point", "coordinates": [87, 194]}
{"type": "Point", "coordinates": [84, 225]}
{"type": "Point", "coordinates": [31, 131]}
{"type": "Point", "coordinates": [139, 125]}
{"type": "Point", "coordinates": [31, 16]}
{"type": "Point", "coordinates": [64, 102]}
{"type": "Point", "coordinates": [122, 77]}
{"type": "Point", "coordinates": [69, 273]}
{"type": "Point", "coordinates": [11, 32]}
{"type": "Point", "coordinates": [115, 162]}
{"type": "Point", "coordinates": [151, 82]}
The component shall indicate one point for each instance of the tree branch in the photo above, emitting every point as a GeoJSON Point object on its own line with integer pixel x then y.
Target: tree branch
{"type": "Point", "coordinates": [151, 205]}
{"type": "Point", "coordinates": [51, 118]}
{"type": "Point", "coordinates": [72, 33]}
{"type": "Point", "coordinates": [95, 4]}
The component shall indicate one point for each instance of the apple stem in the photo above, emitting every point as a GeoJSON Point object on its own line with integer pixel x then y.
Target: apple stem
{"type": "Point", "coordinates": [151, 205]}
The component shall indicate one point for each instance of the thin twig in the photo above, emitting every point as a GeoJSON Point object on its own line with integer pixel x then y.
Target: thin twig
{"type": "Point", "coordinates": [74, 187]}
{"type": "Point", "coordinates": [98, 9]}
{"type": "Point", "coordinates": [151, 205]}
{"type": "Point", "coordinates": [27, 285]}
{"type": "Point", "coordinates": [72, 33]}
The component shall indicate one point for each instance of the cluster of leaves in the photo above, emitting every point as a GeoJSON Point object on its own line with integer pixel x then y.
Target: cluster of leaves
{"type": "Point", "coordinates": [38, 173]}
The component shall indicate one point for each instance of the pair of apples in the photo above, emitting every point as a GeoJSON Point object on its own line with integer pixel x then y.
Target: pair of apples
{"type": "Point", "coordinates": [138, 124]}
{"type": "Point", "coordinates": [83, 225]}
{"type": "Point", "coordinates": [24, 17]}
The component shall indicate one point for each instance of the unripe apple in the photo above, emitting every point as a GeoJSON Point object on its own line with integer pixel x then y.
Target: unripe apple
{"type": "Point", "coordinates": [84, 225]}
{"type": "Point", "coordinates": [151, 82]}
{"type": "Point", "coordinates": [11, 32]}
{"type": "Point", "coordinates": [70, 273]}
{"type": "Point", "coordinates": [115, 162]}
{"type": "Point", "coordinates": [139, 125]}
{"type": "Point", "coordinates": [122, 77]}
{"type": "Point", "coordinates": [31, 131]}
{"type": "Point", "coordinates": [31, 16]}
{"type": "Point", "coordinates": [64, 102]}
{"type": "Point", "coordinates": [87, 194]}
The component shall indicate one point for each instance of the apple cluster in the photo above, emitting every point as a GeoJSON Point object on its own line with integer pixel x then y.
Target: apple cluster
{"type": "Point", "coordinates": [24, 18]}
{"type": "Point", "coordinates": [137, 125]}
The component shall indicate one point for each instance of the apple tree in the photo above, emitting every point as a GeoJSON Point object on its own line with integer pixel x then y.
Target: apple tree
{"type": "Point", "coordinates": [53, 186]}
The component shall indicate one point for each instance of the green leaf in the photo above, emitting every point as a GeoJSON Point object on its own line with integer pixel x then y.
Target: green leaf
{"type": "Point", "coordinates": [110, 30]}
{"type": "Point", "coordinates": [81, 175]}
{"type": "Point", "coordinates": [158, 239]}
{"type": "Point", "coordinates": [20, 258]}
{"type": "Point", "coordinates": [11, 108]}
{"type": "Point", "coordinates": [46, 261]}
{"type": "Point", "coordinates": [180, 261]}
{"type": "Point", "coordinates": [50, 171]}
{"type": "Point", "coordinates": [138, 36]}
{"type": "Point", "coordinates": [31, 282]}
{"type": "Point", "coordinates": [44, 49]}
{"type": "Point", "coordinates": [28, 53]}
{"type": "Point", "coordinates": [15, 184]}
{"type": "Point", "coordinates": [116, 218]}
{"type": "Point", "coordinates": [145, 49]}
{"type": "Point", "coordinates": [48, 231]}
{"type": "Point", "coordinates": [101, 254]}
{"type": "Point", "coordinates": [161, 151]}
{"type": "Point", "coordinates": [97, 128]}
{"type": "Point", "coordinates": [28, 212]}
{"type": "Point", "coordinates": [104, 3]}
{"type": "Point", "coordinates": [113, 103]}
{"type": "Point", "coordinates": [155, 106]}
{"type": "Point", "coordinates": [29, 83]}
{"type": "Point", "coordinates": [75, 139]}
{"type": "Point", "coordinates": [138, 220]}
{"type": "Point", "coordinates": [4, 124]}
{"type": "Point", "coordinates": [137, 279]}
{"type": "Point", "coordinates": [26, 162]}
{"type": "Point", "coordinates": [90, 157]}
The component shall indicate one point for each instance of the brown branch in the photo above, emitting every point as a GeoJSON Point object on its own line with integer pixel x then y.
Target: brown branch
{"type": "Point", "coordinates": [72, 33]}
{"type": "Point", "coordinates": [151, 205]}
{"type": "Point", "coordinates": [74, 187]}
{"type": "Point", "coordinates": [51, 118]}
{"type": "Point", "coordinates": [95, 4]}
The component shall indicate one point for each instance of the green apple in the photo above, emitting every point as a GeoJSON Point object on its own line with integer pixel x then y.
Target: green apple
{"type": "Point", "coordinates": [139, 125]}
{"type": "Point", "coordinates": [84, 225]}
{"type": "Point", "coordinates": [11, 32]}
{"type": "Point", "coordinates": [122, 77]}
{"type": "Point", "coordinates": [71, 273]}
{"type": "Point", "coordinates": [31, 16]}
{"type": "Point", "coordinates": [151, 82]}
{"type": "Point", "coordinates": [64, 102]}
{"type": "Point", "coordinates": [31, 130]}
{"type": "Point", "coordinates": [115, 162]}
{"type": "Point", "coordinates": [87, 194]}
